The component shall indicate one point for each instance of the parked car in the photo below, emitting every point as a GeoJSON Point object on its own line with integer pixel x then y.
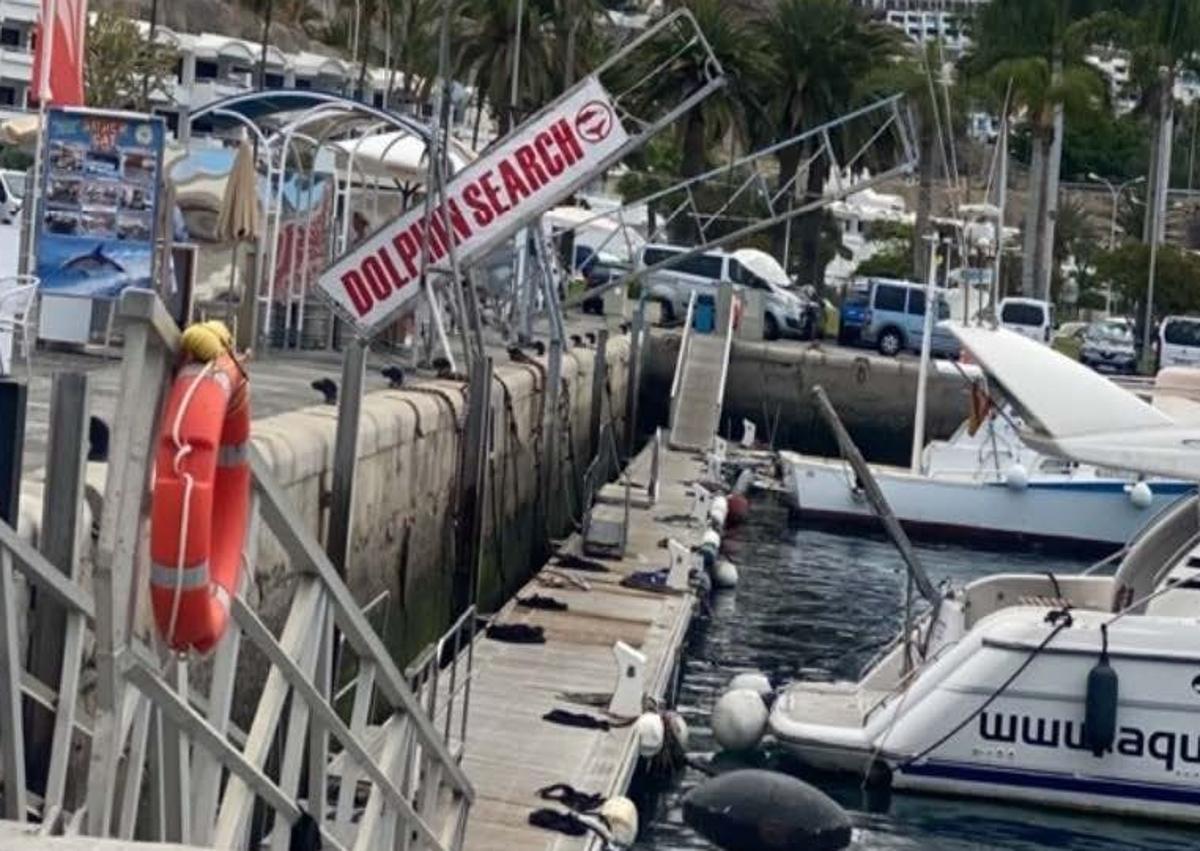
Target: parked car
{"type": "Point", "coordinates": [784, 312]}
{"type": "Point", "coordinates": [12, 195]}
{"type": "Point", "coordinates": [895, 319]}
{"type": "Point", "coordinates": [1028, 316]}
{"type": "Point", "coordinates": [1179, 341]}
{"type": "Point", "coordinates": [852, 315]}
{"type": "Point", "coordinates": [1068, 338]}
{"type": "Point", "coordinates": [1108, 346]}
{"type": "Point", "coordinates": [597, 269]}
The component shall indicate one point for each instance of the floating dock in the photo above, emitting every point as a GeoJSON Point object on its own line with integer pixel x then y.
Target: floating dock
{"type": "Point", "coordinates": [511, 752]}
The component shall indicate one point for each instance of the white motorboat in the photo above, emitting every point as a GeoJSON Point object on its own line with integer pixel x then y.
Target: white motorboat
{"type": "Point", "coordinates": [989, 695]}
{"type": "Point", "coordinates": [988, 484]}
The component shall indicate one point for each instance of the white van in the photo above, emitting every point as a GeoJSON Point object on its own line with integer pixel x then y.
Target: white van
{"type": "Point", "coordinates": [12, 195]}
{"type": "Point", "coordinates": [1179, 341]}
{"type": "Point", "coordinates": [1030, 317]}
{"type": "Point", "coordinates": [784, 314]}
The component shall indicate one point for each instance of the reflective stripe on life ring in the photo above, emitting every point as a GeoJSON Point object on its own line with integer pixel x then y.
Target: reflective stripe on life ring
{"type": "Point", "coordinates": [200, 501]}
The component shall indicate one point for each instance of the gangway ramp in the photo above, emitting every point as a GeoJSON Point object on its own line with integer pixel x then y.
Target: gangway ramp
{"type": "Point", "coordinates": [698, 389]}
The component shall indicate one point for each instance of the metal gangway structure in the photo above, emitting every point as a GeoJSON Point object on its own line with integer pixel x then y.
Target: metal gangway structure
{"type": "Point", "coordinates": [698, 386]}
{"type": "Point", "coordinates": [147, 748]}
{"type": "Point", "coordinates": [859, 150]}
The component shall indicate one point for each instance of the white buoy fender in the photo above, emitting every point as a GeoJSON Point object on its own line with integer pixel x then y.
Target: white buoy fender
{"type": "Point", "coordinates": [678, 727]}
{"type": "Point", "coordinates": [1141, 496]}
{"type": "Point", "coordinates": [712, 538]}
{"type": "Point", "coordinates": [622, 818]}
{"type": "Point", "coordinates": [718, 512]}
{"type": "Point", "coordinates": [739, 720]}
{"type": "Point", "coordinates": [1017, 477]}
{"type": "Point", "coordinates": [725, 574]}
{"type": "Point", "coordinates": [755, 810]}
{"type": "Point", "coordinates": [651, 733]}
{"type": "Point", "coordinates": [756, 681]}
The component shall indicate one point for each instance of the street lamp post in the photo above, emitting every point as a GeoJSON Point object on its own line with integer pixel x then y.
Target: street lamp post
{"type": "Point", "coordinates": [1116, 191]}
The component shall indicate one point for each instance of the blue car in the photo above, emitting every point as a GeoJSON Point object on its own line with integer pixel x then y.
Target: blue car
{"type": "Point", "coordinates": [852, 315]}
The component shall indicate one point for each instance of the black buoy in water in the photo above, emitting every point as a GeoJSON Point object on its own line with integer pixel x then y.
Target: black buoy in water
{"type": "Point", "coordinates": [755, 810]}
{"type": "Point", "coordinates": [1100, 717]}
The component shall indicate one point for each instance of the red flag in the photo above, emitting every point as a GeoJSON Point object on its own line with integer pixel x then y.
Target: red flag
{"type": "Point", "coordinates": [58, 59]}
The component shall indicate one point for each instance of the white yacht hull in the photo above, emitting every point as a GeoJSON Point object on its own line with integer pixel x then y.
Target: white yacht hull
{"type": "Point", "coordinates": [967, 727]}
{"type": "Point", "coordinates": [1058, 508]}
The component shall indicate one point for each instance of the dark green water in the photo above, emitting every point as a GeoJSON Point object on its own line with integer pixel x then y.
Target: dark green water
{"type": "Point", "coordinates": [812, 602]}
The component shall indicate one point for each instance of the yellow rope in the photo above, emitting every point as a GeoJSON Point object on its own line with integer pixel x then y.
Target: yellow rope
{"type": "Point", "coordinates": [206, 341]}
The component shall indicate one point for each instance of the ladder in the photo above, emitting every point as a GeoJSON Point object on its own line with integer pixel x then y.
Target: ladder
{"type": "Point", "coordinates": [698, 388]}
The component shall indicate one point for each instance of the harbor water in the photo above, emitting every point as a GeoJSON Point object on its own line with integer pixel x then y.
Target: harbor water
{"type": "Point", "coordinates": [816, 604]}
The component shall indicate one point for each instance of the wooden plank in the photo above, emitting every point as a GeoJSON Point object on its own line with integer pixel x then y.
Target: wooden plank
{"type": "Point", "coordinates": [305, 691]}
{"type": "Point", "coordinates": [511, 751]}
{"type": "Point", "coordinates": [142, 672]}
{"type": "Point", "coordinates": [234, 813]}
{"type": "Point", "coordinates": [364, 690]}
{"type": "Point", "coordinates": [306, 556]}
{"type": "Point", "coordinates": [206, 784]}
{"type": "Point", "coordinates": [43, 575]}
{"type": "Point", "coordinates": [59, 543]}
{"type": "Point", "coordinates": [61, 752]}
{"type": "Point", "coordinates": [12, 739]}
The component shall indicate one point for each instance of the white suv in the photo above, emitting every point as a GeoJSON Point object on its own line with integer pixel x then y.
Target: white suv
{"type": "Point", "coordinates": [784, 312]}
{"type": "Point", "coordinates": [1030, 317]}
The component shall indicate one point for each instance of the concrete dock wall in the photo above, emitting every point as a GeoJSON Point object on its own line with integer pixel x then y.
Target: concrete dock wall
{"type": "Point", "coordinates": [770, 382]}
{"type": "Point", "coordinates": [404, 532]}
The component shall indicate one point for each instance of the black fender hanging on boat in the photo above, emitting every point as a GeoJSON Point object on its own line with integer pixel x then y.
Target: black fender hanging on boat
{"type": "Point", "coordinates": [1100, 717]}
{"type": "Point", "coordinates": [755, 810]}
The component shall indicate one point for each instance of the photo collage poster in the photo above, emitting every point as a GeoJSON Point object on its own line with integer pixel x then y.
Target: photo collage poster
{"type": "Point", "coordinates": [99, 217]}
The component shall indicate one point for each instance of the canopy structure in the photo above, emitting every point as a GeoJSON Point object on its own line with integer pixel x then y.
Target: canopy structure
{"type": "Point", "coordinates": [399, 155]}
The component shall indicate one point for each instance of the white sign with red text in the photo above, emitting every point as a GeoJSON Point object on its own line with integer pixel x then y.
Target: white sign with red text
{"type": "Point", "coordinates": [486, 203]}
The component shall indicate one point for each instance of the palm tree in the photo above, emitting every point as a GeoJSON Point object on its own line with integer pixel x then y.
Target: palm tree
{"type": "Point", "coordinates": [728, 112]}
{"type": "Point", "coordinates": [826, 52]}
{"type": "Point", "coordinates": [1035, 46]}
{"type": "Point", "coordinates": [487, 39]}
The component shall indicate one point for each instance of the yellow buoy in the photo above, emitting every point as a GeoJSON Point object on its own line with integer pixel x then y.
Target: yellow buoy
{"type": "Point", "coordinates": [206, 341]}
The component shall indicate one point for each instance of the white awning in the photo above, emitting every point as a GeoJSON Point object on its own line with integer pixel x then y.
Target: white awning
{"type": "Point", "coordinates": [398, 155]}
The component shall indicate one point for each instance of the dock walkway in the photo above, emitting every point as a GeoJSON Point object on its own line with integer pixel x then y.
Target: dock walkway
{"type": "Point", "coordinates": [511, 752]}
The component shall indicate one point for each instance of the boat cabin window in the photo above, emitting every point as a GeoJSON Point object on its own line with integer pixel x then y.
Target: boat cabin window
{"type": "Point", "coordinates": [889, 297]}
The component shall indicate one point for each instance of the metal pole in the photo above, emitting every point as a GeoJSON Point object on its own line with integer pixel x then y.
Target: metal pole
{"type": "Point", "coordinates": [635, 375]}
{"type": "Point", "coordinates": [345, 456]}
{"type": "Point", "coordinates": [266, 38]}
{"type": "Point", "coordinates": [918, 443]}
{"type": "Point", "coordinates": [516, 72]}
{"type": "Point", "coordinates": [46, 49]}
{"type": "Point", "coordinates": [13, 397]}
{"type": "Point", "coordinates": [1002, 201]}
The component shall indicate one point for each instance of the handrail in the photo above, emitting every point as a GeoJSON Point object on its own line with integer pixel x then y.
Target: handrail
{"type": "Point", "coordinates": [725, 359]}
{"type": "Point", "coordinates": [685, 343]}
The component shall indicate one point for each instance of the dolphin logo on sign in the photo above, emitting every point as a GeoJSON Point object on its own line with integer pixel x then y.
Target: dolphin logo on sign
{"type": "Point", "coordinates": [594, 121]}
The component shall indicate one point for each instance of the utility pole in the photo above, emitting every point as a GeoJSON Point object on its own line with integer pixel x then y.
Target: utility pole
{"type": "Point", "coordinates": [266, 37]}
{"type": "Point", "coordinates": [152, 48]}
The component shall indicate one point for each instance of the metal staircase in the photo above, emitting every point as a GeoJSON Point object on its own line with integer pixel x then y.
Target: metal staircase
{"type": "Point", "coordinates": [698, 389]}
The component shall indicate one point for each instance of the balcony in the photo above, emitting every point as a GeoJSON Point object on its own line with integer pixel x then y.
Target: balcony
{"type": "Point", "coordinates": [16, 66]}
{"type": "Point", "coordinates": [24, 11]}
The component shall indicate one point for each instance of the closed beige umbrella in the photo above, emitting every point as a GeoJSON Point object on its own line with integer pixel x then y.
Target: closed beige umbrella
{"type": "Point", "coordinates": [239, 219]}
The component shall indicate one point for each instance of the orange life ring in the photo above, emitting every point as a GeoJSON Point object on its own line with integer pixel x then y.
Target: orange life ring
{"type": "Point", "coordinates": [200, 503]}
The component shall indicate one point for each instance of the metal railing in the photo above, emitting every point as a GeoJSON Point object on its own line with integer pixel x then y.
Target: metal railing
{"type": "Point", "coordinates": [167, 765]}
{"type": "Point", "coordinates": [681, 361]}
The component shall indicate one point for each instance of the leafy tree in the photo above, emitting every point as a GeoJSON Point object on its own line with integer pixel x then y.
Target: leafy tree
{"type": "Point", "coordinates": [1127, 268]}
{"type": "Point", "coordinates": [487, 39]}
{"type": "Point", "coordinates": [125, 70]}
{"type": "Point", "coordinates": [893, 260]}
{"type": "Point", "coordinates": [826, 52]}
{"type": "Point", "coordinates": [1032, 49]}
